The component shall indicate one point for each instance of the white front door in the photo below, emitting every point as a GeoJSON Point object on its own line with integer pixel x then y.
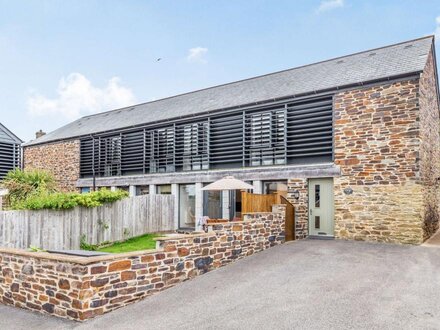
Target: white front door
{"type": "Point", "coordinates": [321, 207]}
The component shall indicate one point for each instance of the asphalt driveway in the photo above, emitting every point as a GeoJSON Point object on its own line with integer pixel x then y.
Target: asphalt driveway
{"type": "Point", "coordinates": [308, 284]}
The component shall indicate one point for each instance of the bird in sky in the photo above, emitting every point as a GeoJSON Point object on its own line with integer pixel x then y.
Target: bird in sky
{"type": "Point", "coordinates": [159, 59]}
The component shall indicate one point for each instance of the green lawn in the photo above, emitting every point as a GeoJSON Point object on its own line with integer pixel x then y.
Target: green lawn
{"type": "Point", "coordinates": [143, 242]}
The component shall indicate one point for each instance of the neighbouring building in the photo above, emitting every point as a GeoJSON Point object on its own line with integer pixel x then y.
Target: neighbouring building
{"type": "Point", "coordinates": [10, 151]}
{"type": "Point", "coordinates": [353, 142]}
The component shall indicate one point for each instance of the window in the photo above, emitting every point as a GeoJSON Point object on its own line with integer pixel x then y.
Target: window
{"type": "Point", "coordinates": [270, 187]}
{"type": "Point", "coordinates": [317, 222]}
{"type": "Point", "coordinates": [85, 190]}
{"type": "Point", "coordinates": [265, 138]}
{"type": "Point", "coordinates": [212, 204]}
{"type": "Point", "coordinates": [235, 211]}
{"type": "Point", "coordinates": [187, 205]}
{"type": "Point", "coordinates": [317, 195]}
{"type": "Point", "coordinates": [163, 150]}
{"type": "Point", "coordinates": [192, 146]}
{"type": "Point", "coordinates": [111, 155]}
{"type": "Point", "coordinates": [142, 190]}
{"type": "Point", "coordinates": [296, 132]}
{"type": "Point", "coordinates": [164, 189]}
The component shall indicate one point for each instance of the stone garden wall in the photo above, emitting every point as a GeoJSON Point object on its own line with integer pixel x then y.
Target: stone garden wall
{"type": "Point", "coordinates": [80, 288]}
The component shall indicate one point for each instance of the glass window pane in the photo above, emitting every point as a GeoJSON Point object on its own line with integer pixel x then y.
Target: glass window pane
{"type": "Point", "coordinates": [142, 190]}
{"type": "Point", "coordinates": [187, 205]}
{"type": "Point", "coordinates": [164, 189]}
{"type": "Point", "coordinates": [266, 138]}
{"type": "Point", "coordinates": [317, 195]}
{"type": "Point", "coordinates": [270, 187]}
{"type": "Point", "coordinates": [212, 204]}
{"type": "Point", "coordinates": [317, 222]}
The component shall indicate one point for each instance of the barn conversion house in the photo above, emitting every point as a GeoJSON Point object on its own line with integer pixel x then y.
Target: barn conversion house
{"type": "Point", "coordinates": [353, 142]}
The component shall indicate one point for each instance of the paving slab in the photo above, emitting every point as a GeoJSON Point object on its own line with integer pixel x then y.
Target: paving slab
{"type": "Point", "coordinates": [309, 284]}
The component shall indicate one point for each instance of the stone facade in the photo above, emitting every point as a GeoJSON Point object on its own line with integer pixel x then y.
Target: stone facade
{"type": "Point", "coordinates": [81, 288]}
{"type": "Point", "coordinates": [300, 204]}
{"type": "Point", "coordinates": [429, 148]}
{"type": "Point", "coordinates": [59, 158]}
{"type": "Point", "coordinates": [387, 145]}
{"type": "Point", "coordinates": [378, 144]}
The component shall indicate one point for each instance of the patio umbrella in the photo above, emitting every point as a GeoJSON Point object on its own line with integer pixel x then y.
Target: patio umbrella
{"type": "Point", "coordinates": [228, 183]}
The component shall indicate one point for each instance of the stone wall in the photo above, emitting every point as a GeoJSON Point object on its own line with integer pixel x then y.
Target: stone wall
{"type": "Point", "coordinates": [59, 158]}
{"type": "Point", "coordinates": [430, 147]}
{"type": "Point", "coordinates": [81, 288]}
{"type": "Point", "coordinates": [300, 204]}
{"type": "Point", "coordinates": [377, 143]}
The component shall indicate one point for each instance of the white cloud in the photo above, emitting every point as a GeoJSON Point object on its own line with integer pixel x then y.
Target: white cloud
{"type": "Point", "coordinates": [437, 29]}
{"type": "Point", "coordinates": [326, 5]}
{"type": "Point", "coordinates": [197, 54]}
{"type": "Point", "coordinates": [76, 96]}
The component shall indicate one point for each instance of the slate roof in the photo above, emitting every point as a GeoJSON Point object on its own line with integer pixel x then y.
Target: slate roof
{"type": "Point", "coordinates": [6, 136]}
{"type": "Point", "coordinates": [373, 65]}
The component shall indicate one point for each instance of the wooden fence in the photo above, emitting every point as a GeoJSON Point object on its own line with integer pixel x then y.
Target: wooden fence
{"type": "Point", "coordinates": [257, 202]}
{"type": "Point", "coordinates": [50, 229]}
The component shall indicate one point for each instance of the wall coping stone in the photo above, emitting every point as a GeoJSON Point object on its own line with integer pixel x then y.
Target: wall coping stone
{"type": "Point", "coordinates": [75, 259]}
{"type": "Point", "coordinates": [180, 236]}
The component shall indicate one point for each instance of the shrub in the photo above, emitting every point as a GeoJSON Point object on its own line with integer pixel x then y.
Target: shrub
{"type": "Point", "coordinates": [64, 201]}
{"type": "Point", "coordinates": [86, 246]}
{"type": "Point", "coordinates": [23, 184]}
{"type": "Point", "coordinates": [36, 190]}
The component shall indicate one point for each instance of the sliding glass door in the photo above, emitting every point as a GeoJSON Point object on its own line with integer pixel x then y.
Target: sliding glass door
{"type": "Point", "coordinates": [187, 205]}
{"type": "Point", "coordinates": [212, 204]}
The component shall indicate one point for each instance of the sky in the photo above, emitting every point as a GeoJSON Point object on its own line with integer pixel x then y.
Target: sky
{"type": "Point", "coordinates": [60, 60]}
